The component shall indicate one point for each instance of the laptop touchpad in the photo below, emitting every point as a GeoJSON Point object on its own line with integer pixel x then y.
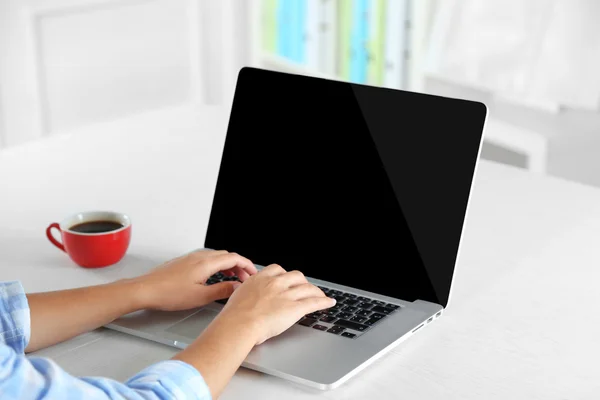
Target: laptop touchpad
{"type": "Point", "coordinates": [193, 326]}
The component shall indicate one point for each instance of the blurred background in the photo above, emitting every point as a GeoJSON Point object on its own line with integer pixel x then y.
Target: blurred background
{"type": "Point", "coordinates": [68, 65]}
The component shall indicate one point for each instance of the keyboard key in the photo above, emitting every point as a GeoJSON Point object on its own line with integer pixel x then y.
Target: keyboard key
{"type": "Point", "coordinates": [307, 321]}
{"type": "Point", "coordinates": [351, 325]}
{"type": "Point", "coordinates": [324, 289]}
{"type": "Point", "coordinates": [349, 309]}
{"type": "Point", "coordinates": [335, 292]}
{"type": "Point", "coordinates": [336, 330]}
{"type": "Point", "coordinates": [348, 335]}
{"type": "Point", "coordinates": [377, 316]}
{"type": "Point", "coordinates": [363, 313]}
{"type": "Point", "coordinates": [218, 275]}
{"type": "Point", "coordinates": [350, 302]}
{"type": "Point", "coordinates": [350, 295]}
{"type": "Point", "coordinates": [211, 281]}
{"type": "Point", "coordinates": [365, 305]}
{"type": "Point", "coordinates": [392, 306]}
{"type": "Point", "coordinates": [344, 315]}
{"type": "Point", "coordinates": [378, 303]}
{"type": "Point", "coordinates": [363, 298]}
{"type": "Point", "coordinates": [358, 318]}
{"type": "Point", "coordinates": [315, 315]}
{"type": "Point", "coordinates": [337, 298]}
{"type": "Point", "coordinates": [382, 310]}
{"type": "Point", "coordinates": [331, 312]}
{"type": "Point", "coordinates": [327, 319]}
{"type": "Point", "coordinates": [371, 321]}
{"type": "Point", "coordinates": [320, 327]}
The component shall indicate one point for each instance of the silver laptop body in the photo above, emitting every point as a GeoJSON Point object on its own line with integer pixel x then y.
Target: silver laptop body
{"type": "Point", "coordinates": [302, 355]}
{"type": "Point", "coordinates": [324, 350]}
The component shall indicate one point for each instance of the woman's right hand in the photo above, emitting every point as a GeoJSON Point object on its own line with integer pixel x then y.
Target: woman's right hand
{"type": "Point", "coordinates": [273, 300]}
{"type": "Point", "coordinates": [265, 305]}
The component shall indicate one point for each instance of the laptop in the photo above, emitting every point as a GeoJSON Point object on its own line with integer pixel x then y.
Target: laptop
{"type": "Point", "coordinates": [363, 189]}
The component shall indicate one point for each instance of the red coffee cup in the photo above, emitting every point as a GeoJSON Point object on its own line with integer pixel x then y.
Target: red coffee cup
{"type": "Point", "coordinates": [93, 239]}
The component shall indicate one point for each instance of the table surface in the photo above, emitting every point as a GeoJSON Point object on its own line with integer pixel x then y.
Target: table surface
{"type": "Point", "coordinates": [522, 319]}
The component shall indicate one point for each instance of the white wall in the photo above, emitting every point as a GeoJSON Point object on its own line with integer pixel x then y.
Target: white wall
{"type": "Point", "coordinates": [69, 64]}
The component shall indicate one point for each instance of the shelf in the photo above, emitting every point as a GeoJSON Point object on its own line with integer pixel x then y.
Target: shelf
{"type": "Point", "coordinates": [278, 63]}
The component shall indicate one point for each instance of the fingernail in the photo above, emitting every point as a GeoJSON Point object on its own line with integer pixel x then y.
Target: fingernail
{"type": "Point", "coordinates": [236, 285]}
{"type": "Point", "coordinates": [333, 301]}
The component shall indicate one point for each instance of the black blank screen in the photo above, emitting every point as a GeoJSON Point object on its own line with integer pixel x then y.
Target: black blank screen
{"type": "Point", "coordinates": [361, 186]}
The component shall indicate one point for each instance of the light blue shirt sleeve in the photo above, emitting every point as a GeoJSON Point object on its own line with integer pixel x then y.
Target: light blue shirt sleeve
{"type": "Point", "coordinates": [24, 377]}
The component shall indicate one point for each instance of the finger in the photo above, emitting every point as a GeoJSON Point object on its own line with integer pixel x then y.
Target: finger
{"type": "Point", "coordinates": [245, 268]}
{"type": "Point", "coordinates": [272, 270]}
{"type": "Point", "coordinates": [219, 291]}
{"type": "Point", "coordinates": [304, 291]}
{"type": "Point", "coordinates": [215, 252]}
{"type": "Point", "coordinates": [239, 272]}
{"type": "Point", "coordinates": [227, 261]}
{"type": "Point", "coordinates": [201, 253]}
{"type": "Point", "coordinates": [312, 304]}
{"type": "Point", "coordinates": [292, 278]}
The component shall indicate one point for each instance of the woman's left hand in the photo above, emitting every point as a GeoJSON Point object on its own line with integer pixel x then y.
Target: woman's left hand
{"type": "Point", "coordinates": [179, 283]}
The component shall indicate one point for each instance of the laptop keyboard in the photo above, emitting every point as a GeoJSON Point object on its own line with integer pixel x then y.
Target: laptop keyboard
{"type": "Point", "coordinates": [219, 277]}
{"type": "Point", "coordinates": [351, 316]}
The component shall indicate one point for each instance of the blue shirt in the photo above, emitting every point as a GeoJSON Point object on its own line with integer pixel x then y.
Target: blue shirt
{"type": "Point", "coordinates": [36, 378]}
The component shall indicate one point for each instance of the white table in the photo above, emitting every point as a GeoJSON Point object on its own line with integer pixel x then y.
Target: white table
{"type": "Point", "coordinates": [522, 321]}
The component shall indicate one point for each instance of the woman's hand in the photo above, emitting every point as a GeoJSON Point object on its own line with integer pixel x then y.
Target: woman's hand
{"type": "Point", "coordinates": [264, 306]}
{"type": "Point", "coordinates": [273, 300]}
{"type": "Point", "coordinates": [179, 283]}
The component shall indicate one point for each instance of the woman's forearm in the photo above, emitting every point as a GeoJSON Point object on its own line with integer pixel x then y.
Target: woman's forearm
{"type": "Point", "coordinates": [60, 315]}
{"type": "Point", "coordinates": [176, 285]}
{"type": "Point", "coordinates": [220, 350]}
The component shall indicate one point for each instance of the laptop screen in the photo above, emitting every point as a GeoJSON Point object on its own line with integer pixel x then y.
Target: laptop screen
{"type": "Point", "coordinates": [357, 185]}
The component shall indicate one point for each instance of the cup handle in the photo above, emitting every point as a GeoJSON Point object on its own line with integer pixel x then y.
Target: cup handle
{"type": "Point", "coordinates": [52, 239]}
